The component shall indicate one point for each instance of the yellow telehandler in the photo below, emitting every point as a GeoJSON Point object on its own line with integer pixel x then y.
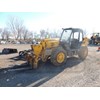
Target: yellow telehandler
{"type": "Point", "coordinates": [72, 42]}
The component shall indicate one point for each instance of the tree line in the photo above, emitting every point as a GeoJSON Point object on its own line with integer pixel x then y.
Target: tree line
{"type": "Point", "coordinates": [16, 29]}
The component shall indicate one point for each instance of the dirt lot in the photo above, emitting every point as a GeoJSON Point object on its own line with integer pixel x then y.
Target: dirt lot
{"type": "Point", "coordinates": [15, 72]}
{"type": "Point", "coordinates": [10, 60]}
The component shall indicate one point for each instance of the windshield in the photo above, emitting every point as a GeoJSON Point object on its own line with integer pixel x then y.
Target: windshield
{"type": "Point", "coordinates": [66, 35]}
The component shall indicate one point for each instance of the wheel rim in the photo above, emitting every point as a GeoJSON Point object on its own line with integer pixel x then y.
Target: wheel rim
{"type": "Point", "coordinates": [60, 57]}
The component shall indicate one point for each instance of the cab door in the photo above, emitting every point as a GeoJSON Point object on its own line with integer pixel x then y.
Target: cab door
{"type": "Point", "coordinates": [75, 40]}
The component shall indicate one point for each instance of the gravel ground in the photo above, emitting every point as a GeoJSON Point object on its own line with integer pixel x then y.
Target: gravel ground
{"type": "Point", "coordinates": [75, 73]}
{"type": "Point", "coordinates": [10, 60]}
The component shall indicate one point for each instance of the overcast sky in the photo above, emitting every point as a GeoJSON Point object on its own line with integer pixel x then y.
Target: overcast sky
{"type": "Point", "coordinates": [54, 13]}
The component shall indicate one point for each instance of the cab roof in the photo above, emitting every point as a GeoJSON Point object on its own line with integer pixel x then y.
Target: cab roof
{"type": "Point", "coordinates": [74, 29]}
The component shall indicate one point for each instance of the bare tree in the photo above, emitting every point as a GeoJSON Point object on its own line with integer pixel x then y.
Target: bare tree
{"type": "Point", "coordinates": [5, 34]}
{"type": "Point", "coordinates": [0, 30]}
{"type": "Point", "coordinates": [26, 34]}
{"type": "Point", "coordinates": [45, 33]}
{"type": "Point", "coordinates": [30, 36]}
{"type": "Point", "coordinates": [42, 33]}
{"type": "Point", "coordinates": [15, 24]}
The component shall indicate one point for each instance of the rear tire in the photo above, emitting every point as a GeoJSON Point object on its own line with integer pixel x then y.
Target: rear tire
{"type": "Point", "coordinates": [83, 52]}
{"type": "Point", "coordinates": [58, 56]}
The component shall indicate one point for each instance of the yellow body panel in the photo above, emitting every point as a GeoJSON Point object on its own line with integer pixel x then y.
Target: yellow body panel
{"type": "Point", "coordinates": [42, 51]}
{"type": "Point", "coordinates": [50, 43]}
{"type": "Point", "coordinates": [37, 49]}
{"type": "Point", "coordinates": [85, 41]}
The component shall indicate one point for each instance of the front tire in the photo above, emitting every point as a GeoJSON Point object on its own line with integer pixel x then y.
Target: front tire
{"type": "Point", "coordinates": [58, 56]}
